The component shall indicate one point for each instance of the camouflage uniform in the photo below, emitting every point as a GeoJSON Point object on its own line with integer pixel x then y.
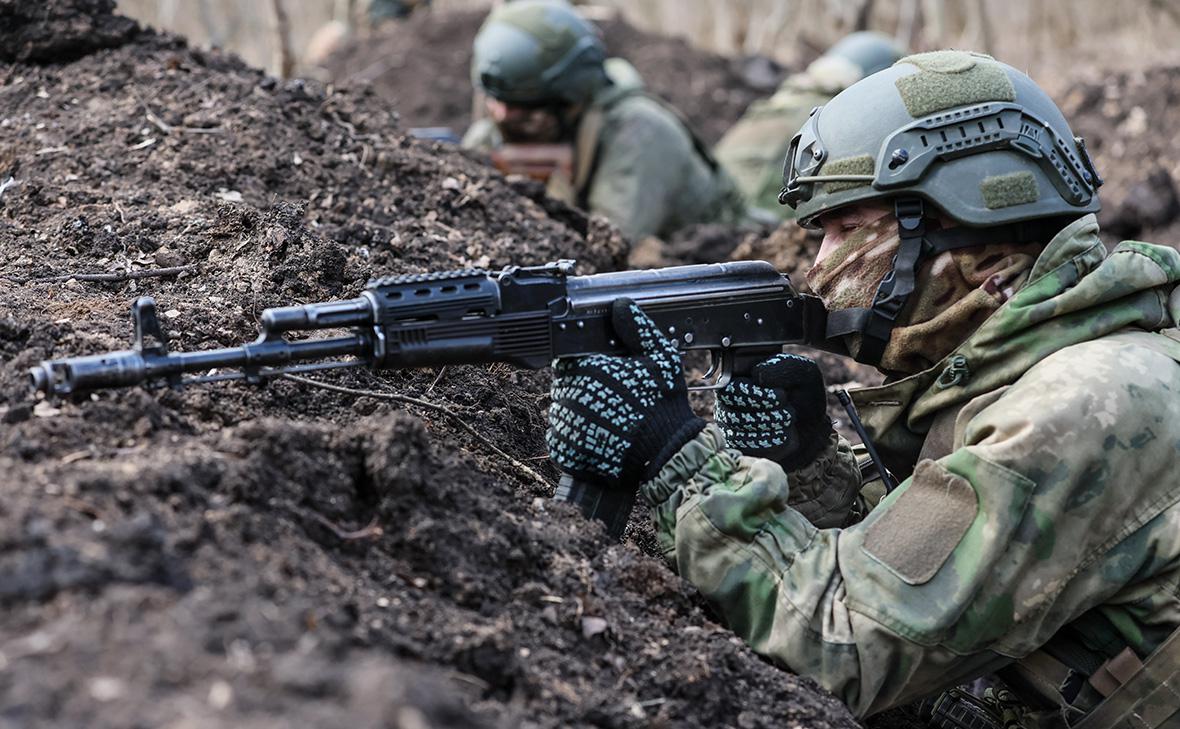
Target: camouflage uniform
{"type": "Point", "coordinates": [651, 176]}
{"type": "Point", "coordinates": [1041, 497]}
{"type": "Point", "coordinates": [636, 161]}
{"type": "Point", "coordinates": [752, 151]}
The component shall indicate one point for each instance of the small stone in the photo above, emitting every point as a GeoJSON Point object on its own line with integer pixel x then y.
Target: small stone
{"type": "Point", "coordinates": [106, 688]}
{"type": "Point", "coordinates": [410, 718]}
{"type": "Point", "coordinates": [45, 409]}
{"type": "Point", "coordinates": [220, 694]}
{"type": "Point", "coordinates": [592, 626]}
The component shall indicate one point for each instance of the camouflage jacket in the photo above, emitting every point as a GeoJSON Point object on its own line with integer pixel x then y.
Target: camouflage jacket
{"type": "Point", "coordinates": [753, 150]}
{"type": "Point", "coordinates": [638, 164]}
{"type": "Point", "coordinates": [1042, 494]}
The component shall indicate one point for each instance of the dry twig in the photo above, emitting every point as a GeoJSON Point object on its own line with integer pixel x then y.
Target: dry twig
{"type": "Point", "coordinates": [373, 529]}
{"type": "Point", "coordinates": [442, 409]}
{"type": "Point", "coordinates": [442, 371]}
{"type": "Point", "coordinates": [116, 276]}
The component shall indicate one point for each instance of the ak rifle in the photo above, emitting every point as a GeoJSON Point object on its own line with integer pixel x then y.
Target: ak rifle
{"type": "Point", "coordinates": [741, 313]}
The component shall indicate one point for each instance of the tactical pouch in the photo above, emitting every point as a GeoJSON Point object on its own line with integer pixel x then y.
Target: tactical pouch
{"type": "Point", "coordinates": [1148, 698]}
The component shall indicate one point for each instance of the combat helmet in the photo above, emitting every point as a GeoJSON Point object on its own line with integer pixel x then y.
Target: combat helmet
{"type": "Point", "coordinates": [868, 51]}
{"type": "Point", "coordinates": [951, 131]}
{"type": "Point", "coordinates": [538, 52]}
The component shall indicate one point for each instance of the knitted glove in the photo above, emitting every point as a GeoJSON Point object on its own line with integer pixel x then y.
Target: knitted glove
{"type": "Point", "coordinates": [619, 419]}
{"type": "Point", "coordinates": [778, 412]}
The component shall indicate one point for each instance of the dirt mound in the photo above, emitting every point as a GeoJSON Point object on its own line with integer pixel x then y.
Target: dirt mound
{"type": "Point", "coordinates": [422, 66]}
{"type": "Point", "coordinates": [1129, 121]}
{"type": "Point", "coordinates": [56, 30]}
{"type": "Point", "coordinates": [288, 556]}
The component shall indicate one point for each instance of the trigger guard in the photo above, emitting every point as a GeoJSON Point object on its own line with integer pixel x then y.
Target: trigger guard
{"type": "Point", "coordinates": [721, 367]}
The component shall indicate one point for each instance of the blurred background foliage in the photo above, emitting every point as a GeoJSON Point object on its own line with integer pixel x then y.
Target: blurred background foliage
{"type": "Point", "coordinates": [1050, 39]}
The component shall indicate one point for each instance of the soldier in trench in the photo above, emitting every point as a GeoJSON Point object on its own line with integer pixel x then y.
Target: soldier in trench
{"type": "Point", "coordinates": [1031, 415]}
{"type": "Point", "coordinates": [560, 111]}
{"type": "Point", "coordinates": [753, 149]}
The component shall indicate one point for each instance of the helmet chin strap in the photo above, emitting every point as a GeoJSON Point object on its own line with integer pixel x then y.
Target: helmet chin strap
{"type": "Point", "coordinates": [875, 324]}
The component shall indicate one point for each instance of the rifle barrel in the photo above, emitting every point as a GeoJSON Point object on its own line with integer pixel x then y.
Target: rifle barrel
{"type": "Point", "coordinates": [128, 367]}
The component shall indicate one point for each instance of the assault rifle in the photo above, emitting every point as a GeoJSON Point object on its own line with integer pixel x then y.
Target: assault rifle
{"type": "Point", "coordinates": [741, 313]}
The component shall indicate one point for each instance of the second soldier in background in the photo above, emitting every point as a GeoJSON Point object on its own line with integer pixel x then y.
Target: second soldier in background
{"type": "Point", "coordinates": [558, 108]}
{"type": "Point", "coordinates": [753, 150]}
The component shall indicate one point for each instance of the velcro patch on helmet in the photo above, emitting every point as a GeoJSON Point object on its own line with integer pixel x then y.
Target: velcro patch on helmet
{"type": "Point", "coordinates": [863, 164]}
{"type": "Point", "coordinates": [947, 79]}
{"type": "Point", "coordinates": [1004, 191]}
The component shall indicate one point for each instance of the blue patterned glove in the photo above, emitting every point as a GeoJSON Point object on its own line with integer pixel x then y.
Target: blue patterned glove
{"type": "Point", "coordinates": [778, 412]}
{"type": "Point", "coordinates": [619, 419]}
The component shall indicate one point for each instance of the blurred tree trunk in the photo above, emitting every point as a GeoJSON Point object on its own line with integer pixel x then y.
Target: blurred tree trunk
{"type": "Point", "coordinates": [284, 60]}
{"type": "Point", "coordinates": [933, 24]}
{"type": "Point", "coordinates": [209, 22]}
{"type": "Point", "coordinates": [908, 17]}
{"type": "Point", "coordinates": [166, 13]}
{"type": "Point", "coordinates": [978, 33]}
{"type": "Point", "coordinates": [861, 21]}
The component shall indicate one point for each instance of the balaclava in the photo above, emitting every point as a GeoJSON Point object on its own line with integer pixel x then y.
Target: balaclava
{"type": "Point", "coordinates": [956, 291]}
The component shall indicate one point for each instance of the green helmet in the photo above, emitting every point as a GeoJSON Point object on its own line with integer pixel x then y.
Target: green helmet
{"type": "Point", "coordinates": [974, 137]}
{"type": "Point", "coordinates": [538, 52]}
{"type": "Point", "coordinates": [958, 132]}
{"type": "Point", "coordinates": [867, 50]}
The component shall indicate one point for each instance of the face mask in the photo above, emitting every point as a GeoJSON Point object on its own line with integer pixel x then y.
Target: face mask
{"type": "Point", "coordinates": [849, 277]}
{"type": "Point", "coordinates": [526, 125]}
{"type": "Point", "coordinates": [955, 292]}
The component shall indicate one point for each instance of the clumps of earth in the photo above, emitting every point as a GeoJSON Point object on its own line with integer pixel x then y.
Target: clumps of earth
{"type": "Point", "coordinates": [289, 556]}
{"type": "Point", "coordinates": [1129, 123]}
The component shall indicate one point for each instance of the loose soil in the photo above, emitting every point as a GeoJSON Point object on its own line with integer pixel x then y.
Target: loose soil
{"type": "Point", "coordinates": [422, 66]}
{"type": "Point", "coordinates": [1130, 123]}
{"type": "Point", "coordinates": [285, 556]}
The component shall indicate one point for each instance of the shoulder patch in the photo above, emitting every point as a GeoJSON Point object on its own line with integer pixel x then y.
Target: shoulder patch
{"type": "Point", "coordinates": [914, 537]}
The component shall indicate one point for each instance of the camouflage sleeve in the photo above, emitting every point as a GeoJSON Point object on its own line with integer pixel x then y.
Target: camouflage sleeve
{"type": "Point", "coordinates": [1055, 499]}
{"type": "Point", "coordinates": [644, 157]}
{"type": "Point", "coordinates": [783, 585]}
{"type": "Point", "coordinates": [827, 490]}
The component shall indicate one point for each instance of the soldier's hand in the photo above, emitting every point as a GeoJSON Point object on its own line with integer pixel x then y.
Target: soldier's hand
{"type": "Point", "coordinates": [619, 419]}
{"type": "Point", "coordinates": [778, 412]}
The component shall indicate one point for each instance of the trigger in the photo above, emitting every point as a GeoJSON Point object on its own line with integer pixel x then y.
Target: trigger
{"type": "Point", "coordinates": [720, 372]}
